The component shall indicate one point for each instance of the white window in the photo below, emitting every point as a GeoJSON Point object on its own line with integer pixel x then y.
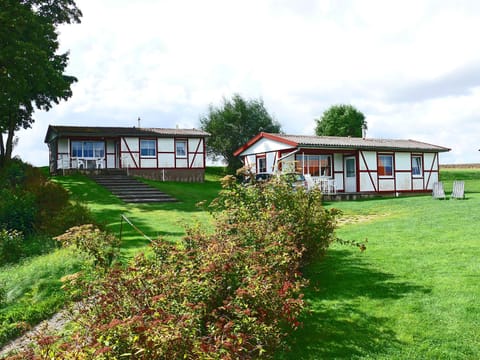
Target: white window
{"type": "Point", "coordinates": [385, 165]}
{"type": "Point", "coordinates": [262, 164]}
{"type": "Point", "coordinates": [315, 165]}
{"type": "Point", "coordinates": [147, 148]}
{"type": "Point", "coordinates": [88, 149]}
{"type": "Point", "coordinates": [181, 148]}
{"type": "Point", "coordinates": [417, 166]}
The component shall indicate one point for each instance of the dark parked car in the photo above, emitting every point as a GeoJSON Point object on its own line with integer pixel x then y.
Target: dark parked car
{"type": "Point", "coordinates": [260, 177]}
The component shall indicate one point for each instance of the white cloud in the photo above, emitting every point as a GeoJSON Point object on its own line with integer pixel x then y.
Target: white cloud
{"type": "Point", "coordinates": [410, 66]}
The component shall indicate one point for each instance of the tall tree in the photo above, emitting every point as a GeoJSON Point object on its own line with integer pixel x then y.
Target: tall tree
{"type": "Point", "coordinates": [234, 123]}
{"type": "Point", "coordinates": [31, 71]}
{"type": "Point", "coordinates": [341, 120]}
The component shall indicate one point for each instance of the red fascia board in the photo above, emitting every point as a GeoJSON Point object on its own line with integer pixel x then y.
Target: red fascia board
{"type": "Point", "coordinates": [266, 136]}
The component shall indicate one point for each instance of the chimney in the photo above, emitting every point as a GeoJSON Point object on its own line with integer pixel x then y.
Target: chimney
{"type": "Point", "coordinates": [138, 120]}
{"type": "Point", "coordinates": [364, 130]}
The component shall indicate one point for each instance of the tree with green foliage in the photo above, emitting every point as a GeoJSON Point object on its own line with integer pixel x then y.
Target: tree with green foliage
{"type": "Point", "coordinates": [341, 120]}
{"type": "Point", "coordinates": [31, 71]}
{"type": "Point", "coordinates": [233, 124]}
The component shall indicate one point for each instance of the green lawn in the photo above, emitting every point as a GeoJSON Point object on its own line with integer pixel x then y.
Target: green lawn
{"type": "Point", "coordinates": [33, 290]}
{"type": "Point", "coordinates": [415, 292]}
{"type": "Point", "coordinates": [166, 220]}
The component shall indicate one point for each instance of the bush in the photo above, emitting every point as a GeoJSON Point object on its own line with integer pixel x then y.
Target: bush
{"type": "Point", "coordinates": [50, 198]}
{"type": "Point", "coordinates": [32, 204]}
{"type": "Point", "coordinates": [70, 215]}
{"type": "Point", "coordinates": [101, 246]}
{"type": "Point", "coordinates": [17, 211]}
{"type": "Point", "coordinates": [311, 225]}
{"type": "Point", "coordinates": [232, 293]}
{"type": "Point", "coordinates": [14, 174]}
{"type": "Point", "coordinates": [55, 212]}
{"type": "Point", "coordinates": [11, 242]}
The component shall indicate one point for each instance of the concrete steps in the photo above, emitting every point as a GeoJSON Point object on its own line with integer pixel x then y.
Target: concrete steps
{"type": "Point", "coordinates": [130, 190]}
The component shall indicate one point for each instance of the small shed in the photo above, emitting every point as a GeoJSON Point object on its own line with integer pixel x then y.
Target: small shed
{"type": "Point", "coordinates": [156, 153]}
{"type": "Point", "coordinates": [354, 165]}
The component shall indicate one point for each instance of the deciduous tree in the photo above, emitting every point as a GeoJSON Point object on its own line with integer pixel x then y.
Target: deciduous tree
{"type": "Point", "coordinates": [341, 120]}
{"type": "Point", "coordinates": [233, 123]}
{"type": "Point", "coordinates": [31, 71]}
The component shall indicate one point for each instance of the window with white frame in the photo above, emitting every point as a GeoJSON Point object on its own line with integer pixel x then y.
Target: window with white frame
{"type": "Point", "coordinates": [181, 148]}
{"type": "Point", "coordinates": [262, 164]}
{"type": "Point", "coordinates": [88, 149]}
{"type": "Point", "coordinates": [417, 165]}
{"type": "Point", "coordinates": [147, 147]}
{"type": "Point", "coordinates": [385, 165]}
{"type": "Point", "coordinates": [315, 165]}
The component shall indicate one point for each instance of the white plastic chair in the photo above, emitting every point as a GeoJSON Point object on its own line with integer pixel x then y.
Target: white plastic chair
{"type": "Point", "coordinates": [458, 190]}
{"type": "Point", "coordinates": [81, 164]}
{"type": "Point", "coordinates": [99, 163]}
{"type": "Point", "coordinates": [437, 190]}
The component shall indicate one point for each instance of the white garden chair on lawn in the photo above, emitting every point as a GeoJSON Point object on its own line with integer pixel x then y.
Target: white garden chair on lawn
{"type": "Point", "coordinates": [458, 191]}
{"type": "Point", "coordinates": [437, 190]}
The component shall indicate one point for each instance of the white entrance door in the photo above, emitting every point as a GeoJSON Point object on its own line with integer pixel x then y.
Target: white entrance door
{"type": "Point", "coordinates": [350, 174]}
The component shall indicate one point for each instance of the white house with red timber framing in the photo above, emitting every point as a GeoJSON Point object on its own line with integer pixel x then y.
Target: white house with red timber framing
{"type": "Point", "coordinates": [356, 165]}
{"type": "Point", "coordinates": [162, 154]}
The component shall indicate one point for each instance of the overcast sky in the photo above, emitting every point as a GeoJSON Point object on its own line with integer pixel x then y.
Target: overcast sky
{"type": "Point", "coordinates": [412, 67]}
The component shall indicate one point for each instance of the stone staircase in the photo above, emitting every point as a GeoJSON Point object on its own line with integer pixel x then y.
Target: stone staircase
{"type": "Point", "coordinates": [130, 190]}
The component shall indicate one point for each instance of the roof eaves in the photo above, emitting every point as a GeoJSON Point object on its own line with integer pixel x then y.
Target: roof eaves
{"type": "Point", "coordinates": [270, 136]}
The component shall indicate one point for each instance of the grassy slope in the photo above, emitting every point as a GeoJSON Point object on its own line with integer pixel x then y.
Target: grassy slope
{"type": "Point", "coordinates": [167, 220]}
{"type": "Point", "coordinates": [414, 294]}
{"type": "Point", "coordinates": [33, 286]}
{"type": "Point", "coordinates": [33, 289]}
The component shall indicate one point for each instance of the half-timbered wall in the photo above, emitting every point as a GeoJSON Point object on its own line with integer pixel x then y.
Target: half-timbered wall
{"type": "Point", "coordinates": [249, 162]}
{"type": "Point", "coordinates": [338, 171]}
{"type": "Point", "coordinates": [430, 165]}
{"type": "Point", "coordinates": [63, 154]}
{"type": "Point", "coordinates": [368, 178]}
{"type": "Point", "coordinates": [111, 155]}
{"type": "Point", "coordinates": [402, 179]}
{"type": "Point", "coordinates": [196, 156]}
{"type": "Point", "coordinates": [166, 153]}
{"type": "Point", "coordinates": [403, 171]}
{"type": "Point", "coordinates": [129, 152]}
{"type": "Point", "coordinates": [166, 156]}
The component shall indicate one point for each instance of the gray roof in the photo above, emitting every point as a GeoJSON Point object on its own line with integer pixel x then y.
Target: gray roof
{"type": "Point", "coordinates": [102, 131]}
{"type": "Point", "coordinates": [358, 143]}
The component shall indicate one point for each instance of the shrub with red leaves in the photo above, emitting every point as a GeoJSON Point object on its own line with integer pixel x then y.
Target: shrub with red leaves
{"type": "Point", "coordinates": [228, 294]}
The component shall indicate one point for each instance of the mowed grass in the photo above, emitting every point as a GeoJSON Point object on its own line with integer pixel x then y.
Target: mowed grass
{"type": "Point", "coordinates": [413, 294]}
{"type": "Point", "coordinates": [159, 220]}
